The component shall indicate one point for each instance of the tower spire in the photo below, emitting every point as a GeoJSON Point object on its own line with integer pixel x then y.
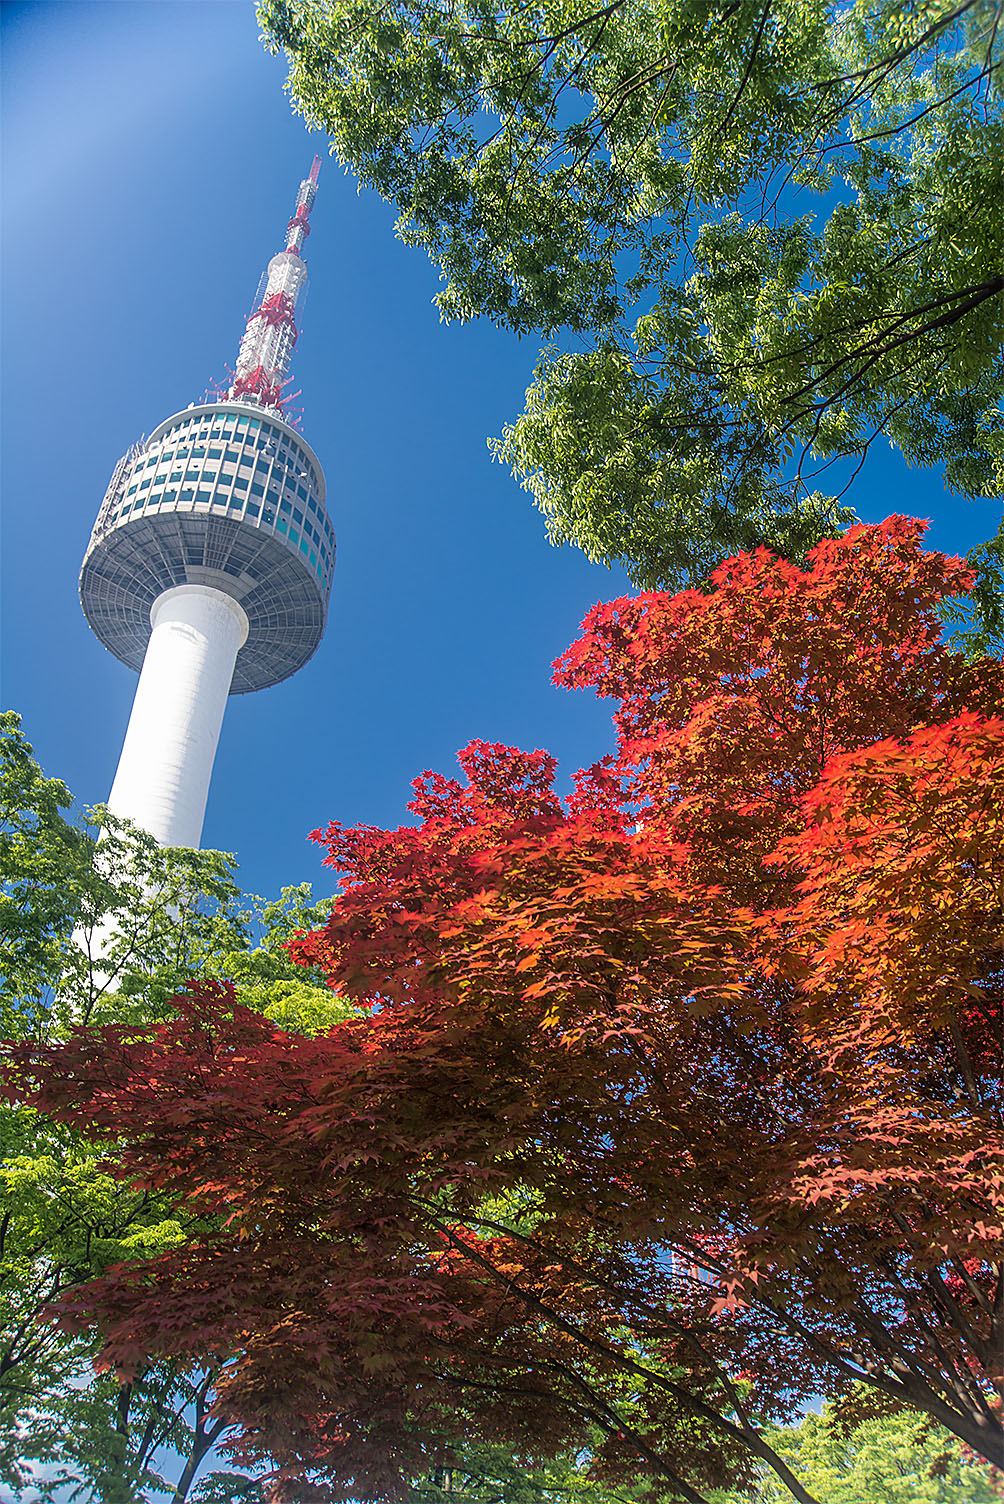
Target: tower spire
{"type": "Point", "coordinates": [263, 360]}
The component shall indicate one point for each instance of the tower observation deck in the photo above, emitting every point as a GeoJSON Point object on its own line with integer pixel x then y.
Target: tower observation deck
{"type": "Point", "coordinates": [209, 565]}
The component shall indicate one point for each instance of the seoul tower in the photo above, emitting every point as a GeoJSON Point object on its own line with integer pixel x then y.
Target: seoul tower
{"type": "Point", "coordinates": [209, 567]}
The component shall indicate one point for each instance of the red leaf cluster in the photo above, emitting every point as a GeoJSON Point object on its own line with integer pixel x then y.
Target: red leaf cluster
{"type": "Point", "coordinates": [666, 1107]}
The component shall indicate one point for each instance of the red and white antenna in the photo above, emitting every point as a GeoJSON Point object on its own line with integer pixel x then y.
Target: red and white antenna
{"type": "Point", "coordinates": [263, 360]}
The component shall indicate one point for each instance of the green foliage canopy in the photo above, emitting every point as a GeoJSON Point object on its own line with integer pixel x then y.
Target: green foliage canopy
{"type": "Point", "coordinates": [758, 233]}
{"type": "Point", "coordinates": [93, 931]}
{"type": "Point", "coordinates": [899, 1457]}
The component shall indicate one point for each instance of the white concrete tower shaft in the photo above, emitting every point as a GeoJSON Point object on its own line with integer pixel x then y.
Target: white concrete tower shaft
{"type": "Point", "coordinates": [162, 781]}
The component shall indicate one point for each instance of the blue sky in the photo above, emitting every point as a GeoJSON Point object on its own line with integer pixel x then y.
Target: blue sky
{"type": "Point", "coordinates": [151, 162]}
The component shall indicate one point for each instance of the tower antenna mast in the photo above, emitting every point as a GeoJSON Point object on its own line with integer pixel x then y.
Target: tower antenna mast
{"type": "Point", "coordinates": [263, 360]}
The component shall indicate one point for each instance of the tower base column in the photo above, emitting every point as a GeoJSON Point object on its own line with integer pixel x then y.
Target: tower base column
{"type": "Point", "coordinates": [162, 781]}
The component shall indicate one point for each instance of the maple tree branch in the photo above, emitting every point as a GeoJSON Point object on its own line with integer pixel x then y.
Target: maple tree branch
{"type": "Point", "coordinates": [950, 1308]}
{"type": "Point", "coordinates": [921, 1384]}
{"type": "Point", "coordinates": [965, 1064]}
{"type": "Point", "coordinates": [629, 1431]}
{"type": "Point", "coordinates": [997, 1319]}
{"type": "Point", "coordinates": [978, 1295]}
{"type": "Point", "coordinates": [908, 1366]}
{"type": "Point", "coordinates": [751, 1439]}
{"type": "Point", "coordinates": [693, 1341]}
{"type": "Point", "coordinates": [604, 1414]}
{"type": "Point", "coordinates": [660, 1318]}
{"type": "Point", "coordinates": [906, 1384]}
{"type": "Point", "coordinates": [985, 1351]}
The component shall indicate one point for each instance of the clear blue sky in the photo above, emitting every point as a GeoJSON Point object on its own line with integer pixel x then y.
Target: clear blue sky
{"type": "Point", "coordinates": [151, 162]}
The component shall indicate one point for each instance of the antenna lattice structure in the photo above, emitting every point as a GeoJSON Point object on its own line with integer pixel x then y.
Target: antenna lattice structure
{"type": "Point", "coordinates": [209, 566]}
{"type": "Point", "coordinates": [266, 350]}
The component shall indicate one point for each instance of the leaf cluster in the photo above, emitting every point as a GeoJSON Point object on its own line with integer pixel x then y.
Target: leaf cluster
{"type": "Point", "coordinates": [757, 235]}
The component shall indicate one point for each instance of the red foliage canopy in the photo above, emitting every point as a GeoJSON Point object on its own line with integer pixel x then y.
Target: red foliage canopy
{"type": "Point", "coordinates": [666, 1107]}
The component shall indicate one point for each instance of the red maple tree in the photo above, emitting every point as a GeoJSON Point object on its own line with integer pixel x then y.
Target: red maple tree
{"type": "Point", "coordinates": [667, 1107]}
